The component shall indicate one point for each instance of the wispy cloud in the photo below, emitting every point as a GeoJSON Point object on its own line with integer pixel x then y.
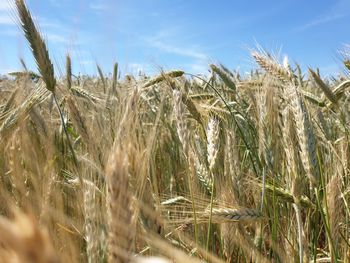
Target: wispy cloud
{"type": "Point", "coordinates": [56, 3]}
{"type": "Point", "coordinates": [198, 67]}
{"type": "Point", "coordinates": [320, 21]}
{"type": "Point", "coordinates": [182, 51]}
{"type": "Point", "coordinates": [340, 9]}
{"type": "Point", "coordinates": [136, 68]}
{"type": "Point", "coordinates": [6, 13]}
{"type": "Point", "coordinates": [158, 41]}
{"type": "Point", "coordinates": [99, 7]}
{"type": "Point", "coordinates": [330, 70]}
{"type": "Point", "coordinates": [175, 41]}
{"type": "Point", "coordinates": [5, 6]}
{"type": "Point", "coordinates": [56, 38]}
{"type": "Point", "coordinates": [5, 19]}
{"type": "Point", "coordinates": [10, 33]}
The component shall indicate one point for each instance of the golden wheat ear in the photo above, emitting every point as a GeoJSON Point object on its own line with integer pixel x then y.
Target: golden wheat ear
{"type": "Point", "coordinates": [37, 45]}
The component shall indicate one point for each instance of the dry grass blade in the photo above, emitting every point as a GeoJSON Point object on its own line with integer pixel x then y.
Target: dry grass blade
{"type": "Point", "coordinates": [37, 45]}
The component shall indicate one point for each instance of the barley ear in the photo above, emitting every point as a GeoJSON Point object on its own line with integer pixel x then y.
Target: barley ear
{"type": "Point", "coordinates": [37, 45]}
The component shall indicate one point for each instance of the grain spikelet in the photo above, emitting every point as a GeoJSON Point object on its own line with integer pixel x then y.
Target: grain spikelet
{"type": "Point", "coordinates": [334, 204]}
{"type": "Point", "coordinates": [37, 45]}
{"type": "Point", "coordinates": [181, 121]}
{"type": "Point", "coordinates": [94, 235]}
{"type": "Point", "coordinates": [69, 71]}
{"type": "Point", "coordinates": [222, 215]}
{"type": "Point", "coordinates": [78, 91]}
{"type": "Point", "coordinates": [120, 216]}
{"type": "Point", "coordinates": [78, 120]}
{"type": "Point", "coordinates": [9, 102]}
{"type": "Point", "coordinates": [340, 89]}
{"type": "Point", "coordinates": [226, 78]}
{"type": "Point", "coordinates": [36, 97]}
{"type": "Point", "coordinates": [102, 77]}
{"type": "Point", "coordinates": [163, 76]}
{"type": "Point", "coordinates": [115, 79]}
{"type": "Point", "coordinates": [305, 134]}
{"type": "Point", "coordinates": [268, 63]}
{"type": "Point", "coordinates": [24, 237]}
{"type": "Point", "coordinates": [213, 135]}
{"type": "Point", "coordinates": [327, 91]}
{"type": "Point", "coordinates": [179, 211]}
{"type": "Point", "coordinates": [313, 98]}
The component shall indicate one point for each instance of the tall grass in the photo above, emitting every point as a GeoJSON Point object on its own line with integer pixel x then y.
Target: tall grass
{"type": "Point", "coordinates": [176, 167]}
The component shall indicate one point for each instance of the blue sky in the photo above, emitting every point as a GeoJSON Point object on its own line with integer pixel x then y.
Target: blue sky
{"type": "Point", "coordinates": [178, 34]}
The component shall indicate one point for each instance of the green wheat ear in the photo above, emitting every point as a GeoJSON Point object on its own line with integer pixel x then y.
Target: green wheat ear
{"type": "Point", "coordinates": [37, 45]}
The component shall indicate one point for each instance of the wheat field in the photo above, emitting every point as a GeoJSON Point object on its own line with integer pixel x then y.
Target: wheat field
{"type": "Point", "coordinates": [175, 167]}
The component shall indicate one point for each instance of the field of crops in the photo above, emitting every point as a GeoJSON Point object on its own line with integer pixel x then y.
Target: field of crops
{"type": "Point", "coordinates": [175, 167]}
